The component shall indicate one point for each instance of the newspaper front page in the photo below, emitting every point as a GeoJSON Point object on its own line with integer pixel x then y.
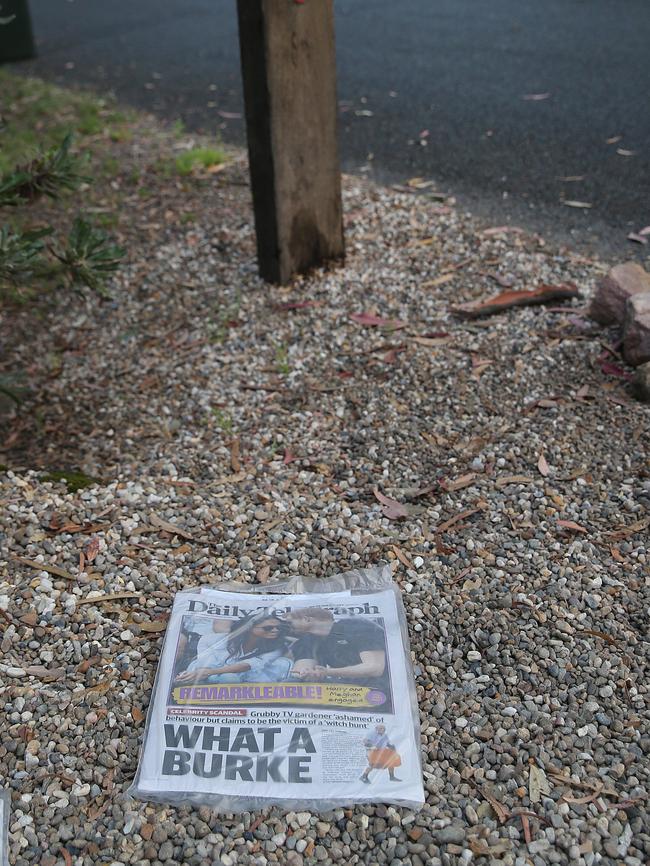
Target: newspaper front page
{"type": "Point", "coordinates": [302, 699]}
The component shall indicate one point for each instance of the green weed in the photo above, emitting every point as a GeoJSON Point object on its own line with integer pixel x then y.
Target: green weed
{"type": "Point", "coordinates": [282, 359]}
{"type": "Point", "coordinates": [223, 419]}
{"type": "Point", "coordinates": [198, 157]}
{"type": "Point", "coordinates": [73, 480]}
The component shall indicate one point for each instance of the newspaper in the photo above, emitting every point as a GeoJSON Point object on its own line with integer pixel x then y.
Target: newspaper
{"type": "Point", "coordinates": [5, 806]}
{"type": "Point", "coordinates": [296, 699]}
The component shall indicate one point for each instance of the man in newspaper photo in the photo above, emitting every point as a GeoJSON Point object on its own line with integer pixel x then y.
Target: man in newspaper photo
{"type": "Point", "coordinates": [382, 754]}
{"type": "Point", "coordinates": [346, 650]}
{"type": "Point", "coordinates": [255, 650]}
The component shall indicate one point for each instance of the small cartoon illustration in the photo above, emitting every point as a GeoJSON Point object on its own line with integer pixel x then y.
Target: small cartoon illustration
{"type": "Point", "coordinates": [382, 754]}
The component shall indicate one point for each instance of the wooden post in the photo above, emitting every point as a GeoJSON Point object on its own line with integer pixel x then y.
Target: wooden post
{"type": "Point", "coordinates": [289, 72]}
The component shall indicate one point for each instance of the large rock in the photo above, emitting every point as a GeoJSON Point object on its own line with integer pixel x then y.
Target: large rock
{"type": "Point", "coordinates": [621, 283]}
{"type": "Point", "coordinates": [636, 330]}
{"type": "Point", "coordinates": [641, 382]}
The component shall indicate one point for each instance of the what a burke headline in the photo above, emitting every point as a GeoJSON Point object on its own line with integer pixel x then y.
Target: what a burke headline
{"type": "Point", "coordinates": [244, 753]}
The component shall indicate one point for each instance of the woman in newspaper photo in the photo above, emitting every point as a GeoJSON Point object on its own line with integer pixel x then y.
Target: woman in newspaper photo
{"type": "Point", "coordinates": [382, 754]}
{"type": "Point", "coordinates": [254, 651]}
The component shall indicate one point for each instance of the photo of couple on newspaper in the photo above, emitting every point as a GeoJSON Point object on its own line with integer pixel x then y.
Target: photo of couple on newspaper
{"type": "Point", "coordinates": [303, 645]}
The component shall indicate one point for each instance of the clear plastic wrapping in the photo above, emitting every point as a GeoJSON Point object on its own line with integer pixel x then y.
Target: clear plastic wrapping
{"type": "Point", "coordinates": [5, 807]}
{"type": "Point", "coordinates": [298, 694]}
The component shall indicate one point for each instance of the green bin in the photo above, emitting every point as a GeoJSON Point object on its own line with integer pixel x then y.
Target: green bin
{"type": "Point", "coordinates": [16, 39]}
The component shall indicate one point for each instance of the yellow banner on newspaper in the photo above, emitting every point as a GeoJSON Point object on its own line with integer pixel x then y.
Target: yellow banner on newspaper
{"type": "Point", "coordinates": [311, 694]}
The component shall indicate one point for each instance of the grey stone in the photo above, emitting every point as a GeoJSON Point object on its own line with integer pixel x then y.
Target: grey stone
{"type": "Point", "coordinates": [454, 833]}
{"type": "Point", "coordinates": [622, 282]}
{"type": "Point", "coordinates": [636, 330]}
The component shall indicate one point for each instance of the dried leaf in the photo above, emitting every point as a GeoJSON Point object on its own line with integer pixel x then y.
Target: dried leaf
{"type": "Point", "coordinates": [438, 281]}
{"type": "Point", "coordinates": [499, 809]}
{"type": "Point", "coordinates": [390, 357]}
{"type": "Point", "coordinates": [66, 856]}
{"type": "Point", "coordinates": [558, 776]}
{"type": "Point", "coordinates": [88, 663]}
{"type": "Point", "coordinates": [372, 321]}
{"type": "Point", "coordinates": [138, 715]}
{"type": "Point", "coordinates": [504, 480]}
{"type": "Point", "coordinates": [542, 465]}
{"type": "Point", "coordinates": [422, 491]}
{"type": "Point", "coordinates": [47, 674]}
{"type": "Point", "coordinates": [588, 798]}
{"type": "Point", "coordinates": [538, 784]}
{"type": "Point", "coordinates": [571, 526]}
{"type": "Point", "coordinates": [226, 479]}
{"type": "Point", "coordinates": [91, 549]}
{"type": "Point", "coordinates": [505, 300]}
{"type": "Point", "coordinates": [403, 558]}
{"type": "Point", "coordinates": [525, 826]}
{"type": "Point", "coordinates": [71, 528]}
{"type": "Point", "coordinates": [391, 508]}
{"type": "Point", "coordinates": [443, 527]}
{"type": "Point", "coordinates": [263, 574]}
{"type": "Point", "coordinates": [101, 688]}
{"type": "Point", "coordinates": [159, 523]}
{"type": "Point", "coordinates": [481, 848]}
{"type": "Point", "coordinates": [616, 554]}
{"type": "Point", "coordinates": [297, 305]}
{"type": "Point", "coordinates": [458, 483]}
{"type": "Point", "coordinates": [181, 549]}
{"type": "Point", "coordinates": [632, 529]}
{"type": "Point", "coordinates": [109, 596]}
{"type": "Point", "coordinates": [431, 341]}
{"type": "Point", "coordinates": [479, 366]}
{"type": "Point", "coordinates": [289, 456]}
{"type": "Point", "coordinates": [610, 369]}
{"type": "Point", "coordinates": [501, 230]}
{"type": "Point", "coordinates": [419, 183]}
{"type": "Point", "coordinates": [501, 279]}
{"type": "Point", "coordinates": [50, 569]}
{"type": "Point", "coordinates": [584, 205]}
{"type": "Point", "coordinates": [154, 626]}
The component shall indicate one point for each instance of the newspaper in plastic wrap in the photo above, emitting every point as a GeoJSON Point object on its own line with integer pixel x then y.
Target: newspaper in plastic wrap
{"type": "Point", "coordinates": [300, 695]}
{"type": "Point", "coordinates": [5, 806]}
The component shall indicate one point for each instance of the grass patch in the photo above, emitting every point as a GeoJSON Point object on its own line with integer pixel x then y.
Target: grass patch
{"type": "Point", "coordinates": [74, 481]}
{"type": "Point", "coordinates": [282, 364]}
{"type": "Point", "coordinates": [198, 157]}
{"type": "Point", "coordinates": [223, 419]}
{"type": "Point", "coordinates": [37, 116]}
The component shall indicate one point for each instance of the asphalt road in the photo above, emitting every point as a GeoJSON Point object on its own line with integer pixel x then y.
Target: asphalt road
{"type": "Point", "coordinates": [434, 88]}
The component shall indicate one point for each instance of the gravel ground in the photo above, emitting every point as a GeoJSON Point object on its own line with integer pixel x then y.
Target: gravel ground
{"type": "Point", "coordinates": [195, 397]}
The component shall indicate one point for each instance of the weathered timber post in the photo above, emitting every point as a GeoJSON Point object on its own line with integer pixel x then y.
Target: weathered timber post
{"type": "Point", "coordinates": [289, 72]}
